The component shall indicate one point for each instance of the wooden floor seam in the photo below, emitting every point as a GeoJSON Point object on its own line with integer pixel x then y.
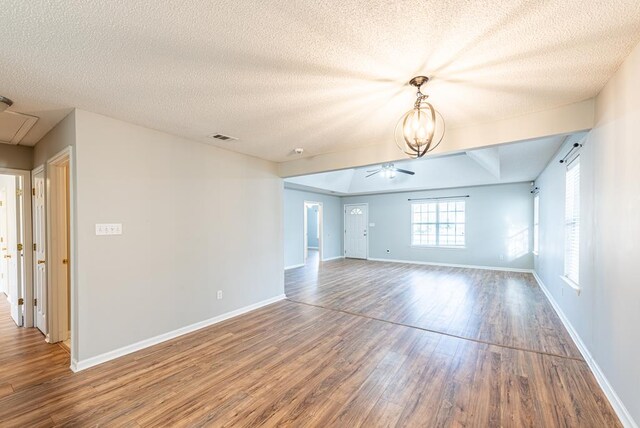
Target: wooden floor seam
{"type": "Point", "coordinates": [484, 342]}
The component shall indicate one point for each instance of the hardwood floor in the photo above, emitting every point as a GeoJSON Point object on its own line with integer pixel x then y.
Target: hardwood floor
{"type": "Point", "coordinates": [295, 364]}
{"type": "Point", "coordinates": [503, 308]}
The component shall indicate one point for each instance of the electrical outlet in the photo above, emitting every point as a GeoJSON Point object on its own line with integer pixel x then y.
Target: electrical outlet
{"type": "Point", "coordinates": [501, 256]}
{"type": "Point", "coordinates": [219, 294]}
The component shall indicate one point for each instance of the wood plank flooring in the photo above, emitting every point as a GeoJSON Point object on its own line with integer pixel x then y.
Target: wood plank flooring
{"type": "Point", "coordinates": [504, 308]}
{"type": "Point", "coordinates": [294, 364]}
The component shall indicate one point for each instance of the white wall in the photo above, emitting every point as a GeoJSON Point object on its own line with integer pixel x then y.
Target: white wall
{"type": "Point", "coordinates": [294, 225]}
{"type": "Point", "coordinates": [606, 314]}
{"type": "Point", "coordinates": [196, 219]}
{"type": "Point", "coordinates": [495, 216]}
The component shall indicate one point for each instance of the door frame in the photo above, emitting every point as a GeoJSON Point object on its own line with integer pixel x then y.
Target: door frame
{"type": "Point", "coordinates": [344, 223]}
{"type": "Point", "coordinates": [26, 279]}
{"type": "Point", "coordinates": [53, 289]}
{"type": "Point", "coordinates": [320, 231]}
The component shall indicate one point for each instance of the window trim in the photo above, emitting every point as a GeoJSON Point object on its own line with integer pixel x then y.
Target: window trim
{"type": "Point", "coordinates": [430, 246]}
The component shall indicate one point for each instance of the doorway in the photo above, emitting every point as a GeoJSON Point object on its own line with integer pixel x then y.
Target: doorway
{"type": "Point", "coordinates": [57, 285]}
{"type": "Point", "coordinates": [356, 218]}
{"type": "Point", "coordinates": [15, 262]}
{"type": "Point", "coordinates": [313, 245]}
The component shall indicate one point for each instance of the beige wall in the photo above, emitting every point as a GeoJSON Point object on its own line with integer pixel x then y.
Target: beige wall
{"type": "Point", "coordinates": [195, 219]}
{"type": "Point", "coordinates": [16, 157]}
{"type": "Point", "coordinates": [61, 136]}
{"type": "Point", "coordinates": [606, 314]}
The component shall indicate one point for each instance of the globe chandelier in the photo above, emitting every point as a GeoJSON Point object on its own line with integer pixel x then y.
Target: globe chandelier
{"type": "Point", "coordinates": [421, 129]}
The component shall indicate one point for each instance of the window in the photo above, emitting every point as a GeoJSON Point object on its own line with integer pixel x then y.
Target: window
{"type": "Point", "coordinates": [355, 211]}
{"type": "Point", "coordinates": [438, 224]}
{"type": "Point", "coordinates": [536, 224]}
{"type": "Point", "coordinates": [572, 222]}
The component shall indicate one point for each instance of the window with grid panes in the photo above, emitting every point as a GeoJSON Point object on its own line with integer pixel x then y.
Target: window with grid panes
{"type": "Point", "coordinates": [438, 224]}
{"type": "Point", "coordinates": [572, 222]}
{"type": "Point", "coordinates": [536, 223]}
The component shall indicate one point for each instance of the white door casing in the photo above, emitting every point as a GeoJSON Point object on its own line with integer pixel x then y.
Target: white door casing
{"type": "Point", "coordinates": [355, 231]}
{"type": "Point", "coordinates": [39, 251]}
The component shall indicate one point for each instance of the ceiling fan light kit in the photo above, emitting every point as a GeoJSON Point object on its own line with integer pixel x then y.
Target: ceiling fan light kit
{"type": "Point", "coordinates": [421, 129]}
{"type": "Point", "coordinates": [388, 170]}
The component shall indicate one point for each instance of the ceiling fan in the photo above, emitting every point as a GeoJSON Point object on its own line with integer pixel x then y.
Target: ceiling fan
{"type": "Point", "coordinates": [387, 170]}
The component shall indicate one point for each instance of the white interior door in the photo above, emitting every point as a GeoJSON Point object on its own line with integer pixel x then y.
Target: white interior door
{"type": "Point", "coordinates": [4, 288]}
{"type": "Point", "coordinates": [355, 231]}
{"type": "Point", "coordinates": [40, 270]}
{"type": "Point", "coordinates": [12, 255]}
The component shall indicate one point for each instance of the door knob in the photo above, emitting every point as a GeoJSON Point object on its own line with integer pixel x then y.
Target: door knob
{"type": "Point", "coordinates": [40, 262]}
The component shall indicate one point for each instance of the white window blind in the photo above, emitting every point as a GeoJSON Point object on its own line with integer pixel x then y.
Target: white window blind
{"type": "Point", "coordinates": [439, 224]}
{"type": "Point", "coordinates": [536, 223]}
{"type": "Point", "coordinates": [572, 222]}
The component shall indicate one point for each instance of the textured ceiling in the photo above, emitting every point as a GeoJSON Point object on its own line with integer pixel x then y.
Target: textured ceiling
{"type": "Point", "coordinates": [514, 163]}
{"type": "Point", "coordinates": [326, 76]}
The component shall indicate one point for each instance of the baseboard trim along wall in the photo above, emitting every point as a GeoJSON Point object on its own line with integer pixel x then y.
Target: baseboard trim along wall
{"type": "Point", "coordinates": [77, 366]}
{"type": "Point", "coordinates": [293, 266]}
{"type": "Point", "coordinates": [332, 258]}
{"type": "Point", "coordinates": [415, 262]}
{"type": "Point", "coordinates": [616, 403]}
{"type": "Point", "coordinates": [302, 264]}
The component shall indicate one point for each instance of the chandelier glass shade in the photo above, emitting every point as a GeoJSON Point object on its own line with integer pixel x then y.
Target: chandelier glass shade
{"type": "Point", "coordinates": [421, 129]}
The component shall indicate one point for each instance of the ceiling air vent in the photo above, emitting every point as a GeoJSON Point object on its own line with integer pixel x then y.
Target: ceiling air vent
{"type": "Point", "coordinates": [222, 137]}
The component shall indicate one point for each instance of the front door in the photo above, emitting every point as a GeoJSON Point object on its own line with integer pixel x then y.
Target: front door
{"type": "Point", "coordinates": [355, 231]}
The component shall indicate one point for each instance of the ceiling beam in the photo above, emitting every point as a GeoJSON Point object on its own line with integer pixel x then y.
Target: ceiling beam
{"type": "Point", "coordinates": [557, 121]}
{"type": "Point", "coordinates": [488, 158]}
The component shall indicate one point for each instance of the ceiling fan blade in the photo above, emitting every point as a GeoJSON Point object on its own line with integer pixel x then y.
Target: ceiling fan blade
{"type": "Point", "coordinates": [404, 171]}
{"type": "Point", "coordinates": [373, 173]}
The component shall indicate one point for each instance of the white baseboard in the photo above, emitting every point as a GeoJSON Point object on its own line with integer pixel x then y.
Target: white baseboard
{"type": "Point", "coordinates": [293, 266]}
{"type": "Point", "coordinates": [111, 355]}
{"type": "Point", "coordinates": [414, 262]}
{"type": "Point", "coordinates": [332, 258]}
{"type": "Point", "coordinates": [616, 403]}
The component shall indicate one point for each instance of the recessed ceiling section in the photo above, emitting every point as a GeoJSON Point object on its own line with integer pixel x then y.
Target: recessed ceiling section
{"type": "Point", "coordinates": [508, 163]}
{"type": "Point", "coordinates": [328, 77]}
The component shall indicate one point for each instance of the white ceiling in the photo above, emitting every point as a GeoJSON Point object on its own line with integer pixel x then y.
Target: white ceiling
{"type": "Point", "coordinates": [508, 163]}
{"type": "Point", "coordinates": [326, 76]}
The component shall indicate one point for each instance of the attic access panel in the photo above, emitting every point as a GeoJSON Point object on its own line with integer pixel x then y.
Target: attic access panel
{"type": "Point", "coordinates": [14, 126]}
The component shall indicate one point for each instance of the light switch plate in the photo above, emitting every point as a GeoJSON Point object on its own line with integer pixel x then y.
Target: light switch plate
{"type": "Point", "coordinates": [109, 229]}
{"type": "Point", "coordinates": [372, 225]}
